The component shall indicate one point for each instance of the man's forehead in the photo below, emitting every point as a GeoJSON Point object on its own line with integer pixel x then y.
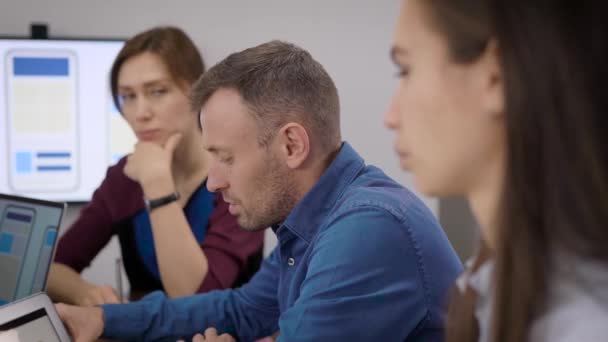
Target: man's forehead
{"type": "Point", "coordinates": [213, 140]}
{"type": "Point", "coordinates": [226, 132]}
{"type": "Point", "coordinates": [224, 121]}
{"type": "Point", "coordinates": [216, 143]}
{"type": "Point", "coordinates": [223, 108]}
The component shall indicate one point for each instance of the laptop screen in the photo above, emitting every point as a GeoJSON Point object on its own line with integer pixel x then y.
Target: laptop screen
{"type": "Point", "coordinates": [35, 326]}
{"type": "Point", "coordinates": [28, 233]}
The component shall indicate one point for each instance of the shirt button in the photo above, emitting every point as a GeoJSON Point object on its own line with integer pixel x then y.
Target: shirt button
{"type": "Point", "coordinates": [291, 261]}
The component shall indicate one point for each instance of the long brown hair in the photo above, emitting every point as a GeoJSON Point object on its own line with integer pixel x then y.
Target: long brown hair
{"type": "Point", "coordinates": [553, 58]}
{"type": "Point", "coordinates": [172, 45]}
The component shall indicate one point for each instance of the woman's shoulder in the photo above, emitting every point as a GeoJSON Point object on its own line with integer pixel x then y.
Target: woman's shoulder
{"type": "Point", "coordinates": [118, 191]}
{"type": "Point", "coordinates": [115, 173]}
{"type": "Point", "coordinates": [577, 319]}
{"type": "Point", "coordinates": [577, 303]}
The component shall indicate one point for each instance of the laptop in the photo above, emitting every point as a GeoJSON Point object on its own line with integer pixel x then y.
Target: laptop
{"type": "Point", "coordinates": [31, 319]}
{"type": "Point", "coordinates": [28, 236]}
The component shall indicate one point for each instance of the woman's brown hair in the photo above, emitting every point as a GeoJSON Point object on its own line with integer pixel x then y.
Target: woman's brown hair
{"type": "Point", "coordinates": [553, 59]}
{"type": "Point", "coordinates": [172, 45]}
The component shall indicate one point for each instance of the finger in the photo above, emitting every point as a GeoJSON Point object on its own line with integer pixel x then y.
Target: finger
{"type": "Point", "coordinates": [226, 338]}
{"type": "Point", "coordinates": [210, 332]}
{"type": "Point", "coordinates": [198, 338]}
{"type": "Point", "coordinates": [95, 297]}
{"type": "Point", "coordinates": [86, 302]}
{"type": "Point", "coordinates": [109, 295]}
{"type": "Point", "coordinates": [172, 142]}
{"type": "Point", "coordinates": [61, 310]}
{"type": "Point", "coordinates": [142, 146]}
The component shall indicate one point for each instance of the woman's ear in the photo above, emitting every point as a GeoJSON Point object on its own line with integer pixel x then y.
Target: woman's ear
{"type": "Point", "coordinates": [491, 76]}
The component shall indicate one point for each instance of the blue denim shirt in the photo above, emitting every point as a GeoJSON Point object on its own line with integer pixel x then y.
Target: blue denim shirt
{"type": "Point", "coordinates": [360, 258]}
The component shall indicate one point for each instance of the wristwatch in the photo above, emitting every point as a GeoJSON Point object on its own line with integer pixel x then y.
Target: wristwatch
{"type": "Point", "coordinates": [159, 202]}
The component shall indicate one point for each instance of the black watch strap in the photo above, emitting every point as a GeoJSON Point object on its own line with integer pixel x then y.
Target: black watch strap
{"type": "Point", "coordinates": [159, 202]}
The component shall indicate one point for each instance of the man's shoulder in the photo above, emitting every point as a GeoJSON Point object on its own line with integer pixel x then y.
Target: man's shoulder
{"type": "Point", "coordinates": [373, 204]}
{"type": "Point", "coordinates": [372, 189]}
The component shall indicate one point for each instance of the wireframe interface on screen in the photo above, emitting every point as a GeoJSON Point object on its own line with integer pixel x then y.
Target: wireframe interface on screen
{"type": "Point", "coordinates": [62, 128]}
{"type": "Point", "coordinates": [35, 326]}
{"type": "Point", "coordinates": [42, 120]}
{"type": "Point", "coordinates": [28, 233]}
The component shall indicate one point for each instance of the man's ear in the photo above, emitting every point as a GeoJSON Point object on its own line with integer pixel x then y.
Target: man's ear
{"type": "Point", "coordinates": [294, 143]}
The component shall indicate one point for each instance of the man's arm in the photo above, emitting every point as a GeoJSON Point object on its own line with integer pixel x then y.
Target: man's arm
{"type": "Point", "coordinates": [364, 283]}
{"type": "Point", "coordinates": [248, 312]}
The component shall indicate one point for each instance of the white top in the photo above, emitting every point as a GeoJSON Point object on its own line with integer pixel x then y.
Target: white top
{"type": "Point", "coordinates": [577, 302]}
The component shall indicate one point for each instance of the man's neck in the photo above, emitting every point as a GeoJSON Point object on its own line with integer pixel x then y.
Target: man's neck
{"type": "Point", "coordinates": [311, 175]}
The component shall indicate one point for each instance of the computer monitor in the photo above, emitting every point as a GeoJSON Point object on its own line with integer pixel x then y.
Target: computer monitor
{"type": "Point", "coordinates": [28, 236]}
{"type": "Point", "coordinates": [60, 124]}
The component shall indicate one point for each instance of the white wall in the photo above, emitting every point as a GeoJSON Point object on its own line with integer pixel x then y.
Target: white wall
{"type": "Point", "coordinates": [351, 38]}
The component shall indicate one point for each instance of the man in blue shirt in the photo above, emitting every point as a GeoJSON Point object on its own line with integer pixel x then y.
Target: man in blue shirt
{"type": "Point", "coordinates": [359, 257]}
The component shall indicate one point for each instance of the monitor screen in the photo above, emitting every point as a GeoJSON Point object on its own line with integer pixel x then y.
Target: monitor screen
{"type": "Point", "coordinates": [34, 326]}
{"type": "Point", "coordinates": [28, 234]}
{"type": "Point", "coordinates": [60, 125]}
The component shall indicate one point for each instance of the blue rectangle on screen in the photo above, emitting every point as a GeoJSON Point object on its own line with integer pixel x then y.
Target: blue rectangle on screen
{"type": "Point", "coordinates": [6, 243]}
{"type": "Point", "coordinates": [53, 154]}
{"type": "Point", "coordinates": [40, 66]}
{"type": "Point", "coordinates": [54, 168]}
{"type": "Point", "coordinates": [51, 234]}
{"type": "Point", "coordinates": [23, 162]}
{"type": "Point", "coordinates": [2, 302]}
{"type": "Point", "coordinates": [19, 217]}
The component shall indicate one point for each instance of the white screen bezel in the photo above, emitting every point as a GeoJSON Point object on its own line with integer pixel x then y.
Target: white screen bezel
{"type": "Point", "coordinates": [20, 308]}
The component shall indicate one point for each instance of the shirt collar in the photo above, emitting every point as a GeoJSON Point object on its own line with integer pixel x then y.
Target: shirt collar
{"type": "Point", "coordinates": [480, 281]}
{"type": "Point", "coordinates": [305, 219]}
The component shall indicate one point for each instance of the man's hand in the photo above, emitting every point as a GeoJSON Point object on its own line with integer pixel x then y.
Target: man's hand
{"type": "Point", "coordinates": [84, 324]}
{"type": "Point", "coordinates": [211, 336]}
